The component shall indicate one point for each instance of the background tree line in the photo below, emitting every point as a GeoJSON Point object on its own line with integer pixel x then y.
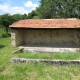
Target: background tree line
{"type": "Point", "coordinates": [47, 9]}
{"type": "Point", "coordinates": [59, 9]}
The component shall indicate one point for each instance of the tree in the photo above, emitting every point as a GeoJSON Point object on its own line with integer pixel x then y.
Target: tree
{"type": "Point", "coordinates": [59, 8]}
{"type": "Point", "coordinates": [6, 20]}
{"type": "Point", "coordinates": [16, 17]}
{"type": "Point", "coordinates": [33, 15]}
{"type": "Point", "coordinates": [24, 16]}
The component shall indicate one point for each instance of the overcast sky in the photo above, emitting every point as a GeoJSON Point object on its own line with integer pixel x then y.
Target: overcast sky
{"type": "Point", "coordinates": [18, 6]}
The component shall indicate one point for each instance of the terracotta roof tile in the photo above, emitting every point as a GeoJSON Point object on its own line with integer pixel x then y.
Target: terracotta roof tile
{"type": "Point", "coordinates": [47, 23]}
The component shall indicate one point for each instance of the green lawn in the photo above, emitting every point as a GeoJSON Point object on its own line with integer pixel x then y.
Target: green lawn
{"type": "Point", "coordinates": [37, 71]}
{"type": "Point", "coordinates": [54, 56]}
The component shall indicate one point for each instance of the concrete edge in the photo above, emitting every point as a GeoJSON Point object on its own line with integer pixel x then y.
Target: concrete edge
{"type": "Point", "coordinates": [49, 49]}
{"type": "Point", "coordinates": [53, 62]}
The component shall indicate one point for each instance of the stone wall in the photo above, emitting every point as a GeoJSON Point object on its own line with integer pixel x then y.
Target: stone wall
{"type": "Point", "coordinates": [51, 37]}
{"type": "Point", "coordinates": [57, 38]}
{"type": "Point", "coordinates": [17, 37]}
{"type": "Point", "coordinates": [48, 61]}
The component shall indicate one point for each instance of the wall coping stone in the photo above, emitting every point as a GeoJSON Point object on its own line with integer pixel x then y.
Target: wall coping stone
{"type": "Point", "coordinates": [53, 62]}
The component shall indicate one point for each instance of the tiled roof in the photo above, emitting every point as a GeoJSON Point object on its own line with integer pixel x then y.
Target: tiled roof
{"type": "Point", "coordinates": [47, 23]}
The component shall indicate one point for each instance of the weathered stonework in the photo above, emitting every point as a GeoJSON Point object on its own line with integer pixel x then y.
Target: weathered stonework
{"type": "Point", "coordinates": [51, 37]}
{"type": "Point", "coordinates": [53, 62]}
{"type": "Point", "coordinates": [48, 49]}
{"type": "Point", "coordinates": [16, 37]}
{"type": "Point", "coordinates": [55, 40]}
{"type": "Point", "coordinates": [44, 37]}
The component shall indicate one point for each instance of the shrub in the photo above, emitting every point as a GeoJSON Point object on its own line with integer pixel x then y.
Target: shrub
{"type": "Point", "coordinates": [3, 33]}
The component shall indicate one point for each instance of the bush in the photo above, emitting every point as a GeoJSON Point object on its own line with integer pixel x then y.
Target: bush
{"type": "Point", "coordinates": [3, 33]}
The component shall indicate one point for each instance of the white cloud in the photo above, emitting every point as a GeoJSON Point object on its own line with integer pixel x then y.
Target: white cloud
{"type": "Point", "coordinates": [4, 7]}
{"type": "Point", "coordinates": [28, 7]}
{"type": "Point", "coordinates": [29, 4]}
{"type": "Point", "coordinates": [16, 9]}
{"type": "Point", "coordinates": [7, 8]}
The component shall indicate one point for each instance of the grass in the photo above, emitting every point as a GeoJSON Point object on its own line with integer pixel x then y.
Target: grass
{"type": "Point", "coordinates": [60, 56]}
{"type": "Point", "coordinates": [37, 71]}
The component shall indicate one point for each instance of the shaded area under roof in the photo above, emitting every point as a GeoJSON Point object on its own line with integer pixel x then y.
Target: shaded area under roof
{"type": "Point", "coordinates": [47, 23]}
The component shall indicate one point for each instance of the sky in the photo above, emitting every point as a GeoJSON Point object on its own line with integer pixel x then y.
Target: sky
{"type": "Point", "coordinates": [18, 6]}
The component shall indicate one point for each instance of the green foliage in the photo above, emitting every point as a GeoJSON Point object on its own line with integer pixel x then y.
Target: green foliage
{"type": "Point", "coordinates": [33, 15]}
{"type": "Point", "coordinates": [17, 17]}
{"type": "Point", "coordinates": [6, 20]}
{"type": "Point", "coordinates": [59, 8]}
{"type": "Point", "coordinates": [3, 33]}
{"type": "Point", "coordinates": [24, 16]}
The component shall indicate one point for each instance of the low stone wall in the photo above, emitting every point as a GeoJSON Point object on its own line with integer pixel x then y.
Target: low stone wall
{"type": "Point", "coordinates": [48, 49]}
{"type": "Point", "coordinates": [53, 62]}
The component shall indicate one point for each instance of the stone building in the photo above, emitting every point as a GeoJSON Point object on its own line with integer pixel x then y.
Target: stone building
{"type": "Point", "coordinates": [59, 34]}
